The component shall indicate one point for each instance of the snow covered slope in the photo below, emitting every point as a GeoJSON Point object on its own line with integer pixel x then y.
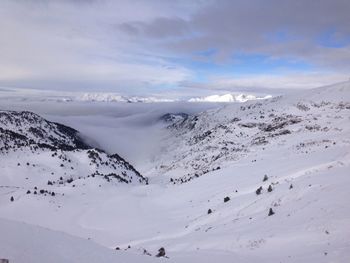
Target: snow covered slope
{"type": "Point", "coordinates": [47, 157]}
{"type": "Point", "coordinates": [29, 128]}
{"type": "Point", "coordinates": [23, 243]}
{"type": "Point", "coordinates": [216, 138]}
{"type": "Point", "coordinates": [262, 181]}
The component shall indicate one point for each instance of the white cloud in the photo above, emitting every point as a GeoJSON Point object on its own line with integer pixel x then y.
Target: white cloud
{"type": "Point", "coordinates": [128, 46]}
{"type": "Point", "coordinates": [263, 82]}
{"type": "Point", "coordinates": [45, 44]}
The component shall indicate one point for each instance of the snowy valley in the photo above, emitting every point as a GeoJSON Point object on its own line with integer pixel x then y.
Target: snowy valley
{"type": "Point", "coordinates": [258, 181]}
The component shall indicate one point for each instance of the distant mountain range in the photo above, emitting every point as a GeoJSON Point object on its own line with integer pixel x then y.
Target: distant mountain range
{"type": "Point", "coordinates": [35, 95]}
{"type": "Point", "coordinates": [110, 97]}
{"type": "Point", "coordinates": [229, 98]}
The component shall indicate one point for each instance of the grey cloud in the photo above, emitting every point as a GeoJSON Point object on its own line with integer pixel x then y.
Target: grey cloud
{"type": "Point", "coordinates": [160, 27]}
{"type": "Point", "coordinates": [129, 28]}
{"type": "Point", "coordinates": [233, 26]}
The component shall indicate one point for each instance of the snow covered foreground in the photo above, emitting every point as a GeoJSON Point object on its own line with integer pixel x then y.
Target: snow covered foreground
{"type": "Point", "coordinates": [302, 144]}
{"type": "Point", "coordinates": [20, 242]}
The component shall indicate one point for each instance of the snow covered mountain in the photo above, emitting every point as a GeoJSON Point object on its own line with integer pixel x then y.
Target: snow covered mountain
{"type": "Point", "coordinates": [47, 157]}
{"type": "Point", "coordinates": [111, 97]}
{"type": "Point", "coordinates": [229, 98]}
{"type": "Point", "coordinates": [33, 95]}
{"type": "Point", "coordinates": [174, 117]}
{"type": "Point", "coordinates": [25, 128]}
{"type": "Point", "coordinates": [261, 181]}
{"type": "Point", "coordinates": [27, 95]}
{"type": "Point", "coordinates": [216, 138]}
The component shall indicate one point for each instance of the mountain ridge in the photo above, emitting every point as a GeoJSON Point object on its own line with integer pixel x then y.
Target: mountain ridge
{"type": "Point", "coordinates": [29, 143]}
{"type": "Point", "coordinates": [232, 131]}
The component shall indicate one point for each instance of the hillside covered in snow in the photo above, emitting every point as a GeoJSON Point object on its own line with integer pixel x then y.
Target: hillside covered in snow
{"type": "Point", "coordinates": [300, 123]}
{"type": "Point", "coordinates": [260, 181]}
{"type": "Point", "coordinates": [48, 158]}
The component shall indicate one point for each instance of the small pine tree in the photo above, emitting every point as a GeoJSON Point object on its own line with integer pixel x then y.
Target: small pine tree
{"type": "Point", "coordinates": [291, 186]}
{"type": "Point", "coordinates": [271, 212]}
{"type": "Point", "coordinates": [265, 178]}
{"type": "Point", "coordinates": [269, 189]}
{"type": "Point", "coordinates": [226, 199]}
{"type": "Point", "coordinates": [161, 252]}
{"type": "Point", "coordinates": [28, 192]}
{"type": "Point", "coordinates": [209, 211]}
{"type": "Point", "coordinates": [12, 199]}
{"type": "Point", "coordinates": [258, 191]}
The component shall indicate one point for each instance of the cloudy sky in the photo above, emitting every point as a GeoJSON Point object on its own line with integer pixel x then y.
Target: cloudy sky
{"type": "Point", "coordinates": [173, 47]}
